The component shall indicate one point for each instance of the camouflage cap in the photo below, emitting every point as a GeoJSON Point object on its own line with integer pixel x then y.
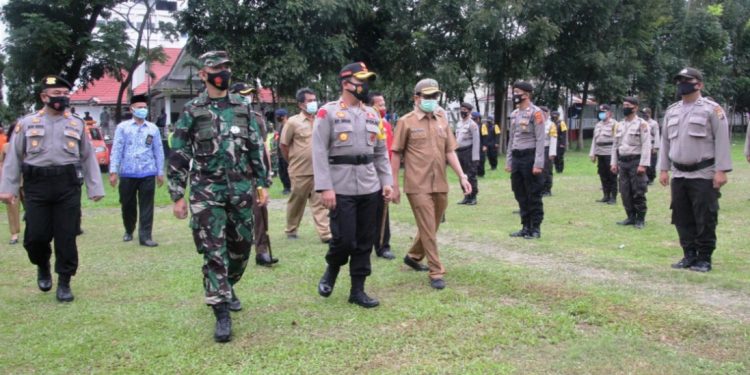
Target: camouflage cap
{"type": "Point", "coordinates": [426, 86]}
{"type": "Point", "coordinates": [214, 58]}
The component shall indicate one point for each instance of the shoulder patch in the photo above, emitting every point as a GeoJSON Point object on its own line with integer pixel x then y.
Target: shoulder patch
{"type": "Point", "coordinates": [18, 128]}
{"type": "Point", "coordinates": [538, 117]}
{"type": "Point", "coordinates": [719, 112]}
{"type": "Point", "coordinates": [644, 126]}
{"type": "Point", "coordinates": [322, 113]}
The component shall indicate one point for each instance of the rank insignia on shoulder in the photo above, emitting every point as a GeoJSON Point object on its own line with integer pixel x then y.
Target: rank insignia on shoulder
{"type": "Point", "coordinates": [719, 112]}
{"type": "Point", "coordinates": [322, 113]}
{"type": "Point", "coordinates": [343, 137]}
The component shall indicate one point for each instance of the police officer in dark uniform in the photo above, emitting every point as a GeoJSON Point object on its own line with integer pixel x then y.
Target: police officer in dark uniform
{"type": "Point", "coordinates": [54, 156]}
{"type": "Point", "coordinates": [695, 148]}
{"type": "Point", "coordinates": [525, 160]}
{"type": "Point", "coordinates": [352, 173]}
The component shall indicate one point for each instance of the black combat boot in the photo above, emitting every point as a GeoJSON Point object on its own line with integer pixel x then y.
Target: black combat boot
{"type": "Point", "coordinates": [605, 198]}
{"type": "Point", "coordinates": [64, 294]}
{"type": "Point", "coordinates": [472, 200]}
{"type": "Point", "coordinates": [640, 220]}
{"type": "Point", "coordinates": [223, 331]}
{"type": "Point", "coordinates": [463, 201]}
{"type": "Point", "coordinates": [612, 198]}
{"type": "Point", "coordinates": [524, 230]}
{"type": "Point", "coordinates": [703, 261]}
{"type": "Point", "coordinates": [44, 277]}
{"type": "Point", "coordinates": [235, 304]}
{"type": "Point", "coordinates": [688, 259]}
{"type": "Point", "coordinates": [325, 286]}
{"type": "Point", "coordinates": [358, 296]}
{"type": "Point", "coordinates": [533, 233]}
{"type": "Point", "coordinates": [265, 259]}
{"type": "Point", "coordinates": [629, 221]}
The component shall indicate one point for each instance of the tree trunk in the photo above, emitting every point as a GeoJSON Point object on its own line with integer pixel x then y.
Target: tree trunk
{"type": "Point", "coordinates": [74, 71]}
{"type": "Point", "coordinates": [584, 99]}
{"type": "Point", "coordinates": [133, 66]}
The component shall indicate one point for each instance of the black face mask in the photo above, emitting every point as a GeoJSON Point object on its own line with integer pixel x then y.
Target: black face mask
{"type": "Point", "coordinates": [361, 91]}
{"type": "Point", "coordinates": [686, 88]}
{"type": "Point", "coordinates": [517, 98]}
{"type": "Point", "coordinates": [627, 111]}
{"type": "Point", "coordinates": [220, 80]}
{"type": "Point", "coordinates": [464, 114]}
{"type": "Point", "coordinates": [58, 103]}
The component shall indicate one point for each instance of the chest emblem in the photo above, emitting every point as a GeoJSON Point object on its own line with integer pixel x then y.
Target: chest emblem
{"type": "Point", "coordinates": [343, 137]}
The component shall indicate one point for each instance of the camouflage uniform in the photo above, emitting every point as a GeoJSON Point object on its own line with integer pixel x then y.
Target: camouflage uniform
{"type": "Point", "coordinates": [222, 139]}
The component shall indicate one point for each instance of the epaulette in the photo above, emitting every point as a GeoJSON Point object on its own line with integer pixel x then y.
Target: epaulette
{"type": "Point", "coordinates": [709, 101]}
{"type": "Point", "coordinates": [675, 104]}
{"type": "Point", "coordinates": [410, 114]}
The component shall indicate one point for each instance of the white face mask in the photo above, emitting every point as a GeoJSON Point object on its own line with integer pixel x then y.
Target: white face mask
{"type": "Point", "coordinates": [311, 107]}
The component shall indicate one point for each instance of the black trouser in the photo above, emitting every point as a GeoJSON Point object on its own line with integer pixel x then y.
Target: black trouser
{"type": "Point", "coordinates": [633, 186]}
{"type": "Point", "coordinates": [651, 172]}
{"type": "Point", "coordinates": [695, 214]}
{"type": "Point", "coordinates": [491, 155]}
{"type": "Point", "coordinates": [608, 179]}
{"type": "Point", "coordinates": [52, 198]}
{"type": "Point", "coordinates": [137, 196]}
{"type": "Point", "coordinates": [284, 173]}
{"type": "Point", "coordinates": [560, 159]}
{"type": "Point", "coordinates": [165, 146]}
{"type": "Point", "coordinates": [527, 188]}
{"type": "Point", "coordinates": [386, 244]}
{"type": "Point", "coordinates": [547, 171]}
{"type": "Point", "coordinates": [469, 167]}
{"type": "Point", "coordinates": [351, 229]}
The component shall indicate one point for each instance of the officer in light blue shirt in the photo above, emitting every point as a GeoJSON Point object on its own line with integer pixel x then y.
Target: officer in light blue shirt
{"type": "Point", "coordinates": [138, 160]}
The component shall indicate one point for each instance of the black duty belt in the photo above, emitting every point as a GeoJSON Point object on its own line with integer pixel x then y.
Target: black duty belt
{"type": "Point", "coordinates": [351, 159]}
{"type": "Point", "coordinates": [694, 167]}
{"type": "Point", "coordinates": [627, 158]}
{"type": "Point", "coordinates": [604, 143]}
{"type": "Point", "coordinates": [57, 170]}
{"type": "Point", "coordinates": [525, 152]}
{"type": "Point", "coordinates": [465, 148]}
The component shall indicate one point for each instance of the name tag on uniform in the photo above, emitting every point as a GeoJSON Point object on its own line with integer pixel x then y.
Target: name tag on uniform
{"type": "Point", "coordinates": [149, 140]}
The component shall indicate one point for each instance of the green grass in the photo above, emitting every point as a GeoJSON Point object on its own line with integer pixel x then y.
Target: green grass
{"type": "Point", "coordinates": [573, 302]}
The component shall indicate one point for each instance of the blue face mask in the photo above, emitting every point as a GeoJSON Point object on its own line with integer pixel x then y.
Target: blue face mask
{"type": "Point", "coordinates": [311, 107]}
{"type": "Point", "coordinates": [140, 113]}
{"type": "Point", "coordinates": [602, 116]}
{"type": "Point", "coordinates": [428, 105]}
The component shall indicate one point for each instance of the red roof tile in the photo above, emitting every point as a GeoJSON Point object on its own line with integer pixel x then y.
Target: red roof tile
{"type": "Point", "coordinates": [106, 88]}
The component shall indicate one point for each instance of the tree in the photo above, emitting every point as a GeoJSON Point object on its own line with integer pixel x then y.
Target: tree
{"type": "Point", "coordinates": [52, 37]}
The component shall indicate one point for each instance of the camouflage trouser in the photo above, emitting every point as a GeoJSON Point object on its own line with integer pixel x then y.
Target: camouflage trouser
{"type": "Point", "coordinates": [222, 223]}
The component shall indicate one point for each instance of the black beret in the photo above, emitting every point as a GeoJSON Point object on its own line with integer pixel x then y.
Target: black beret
{"type": "Point", "coordinates": [631, 99]}
{"type": "Point", "coordinates": [523, 85]}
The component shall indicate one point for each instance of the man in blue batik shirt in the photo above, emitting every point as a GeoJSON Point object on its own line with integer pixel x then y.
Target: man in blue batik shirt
{"type": "Point", "coordinates": [138, 160]}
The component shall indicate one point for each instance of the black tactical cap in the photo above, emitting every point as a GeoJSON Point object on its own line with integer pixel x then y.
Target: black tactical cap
{"type": "Point", "coordinates": [604, 108]}
{"type": "Point", "coordinates": [631, 99]}
{"type": "Point", "coordinates": [357, 70]}
{"type": "Point", "coordinates": [139, 99]}
{"type": "Point", "coordinates": [467, 106]}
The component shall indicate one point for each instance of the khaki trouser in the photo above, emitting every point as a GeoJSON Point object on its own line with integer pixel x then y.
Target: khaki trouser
{"type": "Point", "coordinates": [14, 217]}
{"type": "Point", "coordinates": [302, 192]}
{"type": "Point", "coordinates": [428, 209]}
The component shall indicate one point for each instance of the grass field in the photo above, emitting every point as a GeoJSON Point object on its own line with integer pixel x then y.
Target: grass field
{"type": "Point", "coordinates": [590, 297]}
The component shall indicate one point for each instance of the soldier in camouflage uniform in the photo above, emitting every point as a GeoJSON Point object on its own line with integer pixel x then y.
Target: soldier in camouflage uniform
{"type": "Point", "coordinates": [219, 134]}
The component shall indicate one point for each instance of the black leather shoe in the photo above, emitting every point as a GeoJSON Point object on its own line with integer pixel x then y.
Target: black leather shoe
{"type": "Point", "coordinates": [521, 233]}
{"type": "Point", "coordinates": [416, 266]}
{"type": "Point", "coordinates": [683, 263]}
{"type": "Point", "coordinates": [234, 303]}
{"type": "Point", "coordinates": [328, 281]}
{"type": "Point", "coordinates": [223, 330]}
{"type": "Point", "coordinates": [471, 202]}
{"type": "Point", "coordinates": [629, 221]}
{"type": "Point", "coordinates": [64, 294]}
{"type": "Point", "coordinates": [264, 259]}
{"type": "Point", "coordinates": [547, 194]}
{"type": "Point", "coordinates": [13, 241]}
{"type": "Point", "coordinates": [604, 199]}
{"type": "Point", "coordinates": [291, 236]}
{"type": "Point", "coordinates": [44, 278]}
{"type": "Point", "coordinates": [385, 254]}
{"type": "Point", "coordinates": [437, 284]}
{"type": "Point", "coordinates": [639, 224]}
{"type": "Point", "coordinates": [533, 234]}
{"type": "Point", "coordinates": [362, 299]}
{"type": "Point", "coordinates": [701, 266]}
{"type": "Point", "coordinates": [325, 240]}
{"type": "Point", "coordinates": [463, 201]}
{"type": "Point", "coordinates": [149, 243]}
{"type": "Point", "coordinates": [127, 237]}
